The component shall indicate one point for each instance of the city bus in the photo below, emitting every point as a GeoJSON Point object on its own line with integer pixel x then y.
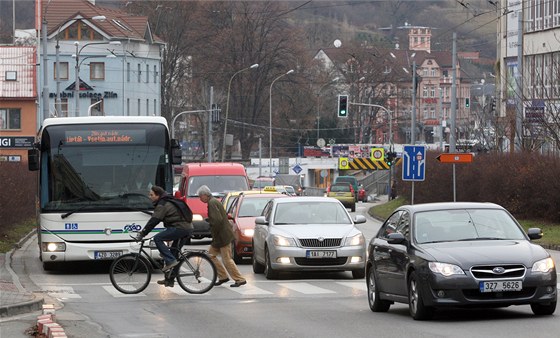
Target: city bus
{"type": "Point", "coordinates": [95, 174]}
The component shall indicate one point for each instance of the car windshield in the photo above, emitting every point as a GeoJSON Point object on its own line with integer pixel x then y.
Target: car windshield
{"type": "Point", "coordinates": [465, 225]}
{"type": "Point", "coordinates": [340, 188]}
{"type": "Point", "coordinates": [311, 213]}
{"type": "Point", "coordinates": [253, 207]}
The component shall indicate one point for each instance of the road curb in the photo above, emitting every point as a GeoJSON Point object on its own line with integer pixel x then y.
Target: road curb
{"type": "Point", "coordinates": [23, 307]}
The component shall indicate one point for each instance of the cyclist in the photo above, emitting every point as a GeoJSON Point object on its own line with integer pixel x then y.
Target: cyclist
{"type": "Point", "coordinates": [177, 228]}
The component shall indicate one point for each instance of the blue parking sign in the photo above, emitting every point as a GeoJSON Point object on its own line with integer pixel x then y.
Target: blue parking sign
{"type": "Point", "coordinates": [414, 163]}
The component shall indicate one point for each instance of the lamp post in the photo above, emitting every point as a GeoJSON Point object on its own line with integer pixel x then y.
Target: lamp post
{"type": "Point", "coordinates": [270, 121]}
{"type": "Point", "coordinates": [77, 70]}
{"type": "Point", "coordinates": [57, 98]}
{"type": "Point", "coordinates": [227, 106]}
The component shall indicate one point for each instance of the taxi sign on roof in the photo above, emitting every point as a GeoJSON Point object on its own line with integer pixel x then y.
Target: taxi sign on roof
{"type": "Point", "coordinates": [270, 188]}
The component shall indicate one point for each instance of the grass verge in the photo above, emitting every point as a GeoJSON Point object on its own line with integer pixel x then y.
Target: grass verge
{"type": "Point", "coordinates": [551, 231]}
{"type": "Point", "coordinates": [11, 235]}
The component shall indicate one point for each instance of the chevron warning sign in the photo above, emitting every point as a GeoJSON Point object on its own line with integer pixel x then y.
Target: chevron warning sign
{"type": "Point", "coordinates": [364, 164]}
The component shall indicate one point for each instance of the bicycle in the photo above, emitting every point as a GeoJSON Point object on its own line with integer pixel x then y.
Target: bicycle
{"type": "Point", "coordinates": [131, 273]}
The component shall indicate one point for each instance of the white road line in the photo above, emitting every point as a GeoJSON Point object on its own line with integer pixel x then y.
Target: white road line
{"type": "Point", "coordinates": [117, 294]}
{"type": "Point", "coordinates": [61, 292]}
{"type": "Point", "coordinates": [305, 288]}
{"type": "Point", "coordinates": [355, 285]}
{"type": "Point", "coordinates": [248, 289]}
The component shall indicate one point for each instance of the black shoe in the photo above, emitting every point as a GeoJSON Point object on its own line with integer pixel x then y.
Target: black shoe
{"type": "Point", "coordinates": [221, 281]}
{"type": "Point", "coordinates": [166, 282]}
{"type": "Point", "coordinates": [238, 284]}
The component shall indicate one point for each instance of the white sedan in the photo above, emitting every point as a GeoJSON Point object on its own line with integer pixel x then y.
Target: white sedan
{"type": "Point", "coordinates": [308, 233]}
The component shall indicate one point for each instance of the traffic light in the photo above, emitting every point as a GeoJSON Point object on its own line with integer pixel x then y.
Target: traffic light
{"type": "Point", "coordinates": [467, 102]}
{"type": "Point", "coordinates": [493, 104]}
{"type": "Point", "coordinates": [342, 105]}
{"type": "Point", "coordinates": [390, 158]}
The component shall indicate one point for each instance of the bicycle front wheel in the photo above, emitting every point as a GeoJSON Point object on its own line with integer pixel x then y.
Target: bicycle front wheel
{"type": "Point", "coordinates": [130, 273]}
{"type": "Point", "coordinates": [197, 273]}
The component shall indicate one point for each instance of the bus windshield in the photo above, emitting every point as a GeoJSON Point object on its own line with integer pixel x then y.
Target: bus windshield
{"type": "Point", "coordinates": [108, 167]}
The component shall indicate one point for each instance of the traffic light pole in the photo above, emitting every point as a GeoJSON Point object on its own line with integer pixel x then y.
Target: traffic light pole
{"type": "Point", "coordinates": [390, 136]}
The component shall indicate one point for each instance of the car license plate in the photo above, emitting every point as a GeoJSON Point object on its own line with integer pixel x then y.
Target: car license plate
{"type": "Point", "coordinates": [320, 254]}
{"type": "Point", "coordinates": [106, 254]}
{"type": "Point", "coordinates": [500, 286]}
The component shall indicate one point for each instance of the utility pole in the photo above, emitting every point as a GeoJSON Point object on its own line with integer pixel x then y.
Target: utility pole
{"type": "Point", "coordinates": [209, 145]}
{"type": "Point", "coordinates": [519, 115]}
{"type": "Point", "coordinates": [413, 114]}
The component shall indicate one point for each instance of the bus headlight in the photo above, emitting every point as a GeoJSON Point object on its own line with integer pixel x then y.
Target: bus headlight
{"type": "Point", "coordinates": [54, 247]}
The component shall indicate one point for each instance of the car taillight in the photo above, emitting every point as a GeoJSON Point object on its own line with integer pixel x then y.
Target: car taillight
{"type": "Point", "coordinates": [351, 189]}
{"type": "Point", "coordinates": [329, 188]}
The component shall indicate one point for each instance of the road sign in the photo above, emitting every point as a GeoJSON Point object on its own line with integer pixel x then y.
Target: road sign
{"type": "Point", "coordinates": [414, 163]}
{"type": "Point", "coordinates": [297, 169]}
{"type": "Point", "coordinates": [377, 154]}
{"type": "Point", "coordinates": [343, 163]}
{"type": "Point", "coordinates": [455, 158]}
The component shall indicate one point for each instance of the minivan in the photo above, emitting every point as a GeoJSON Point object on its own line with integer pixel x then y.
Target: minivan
{"type": "Point", "coordinates": [220, 177]}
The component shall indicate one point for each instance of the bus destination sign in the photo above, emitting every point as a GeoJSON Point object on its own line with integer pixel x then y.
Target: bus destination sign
{"type": "Point", "coordinates": [105, 137]}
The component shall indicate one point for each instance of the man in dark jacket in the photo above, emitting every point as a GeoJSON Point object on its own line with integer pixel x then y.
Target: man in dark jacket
{"type": "Point", "coordinates": [177, 228]}
{"type": "Point", "coordinates": [222, 236]}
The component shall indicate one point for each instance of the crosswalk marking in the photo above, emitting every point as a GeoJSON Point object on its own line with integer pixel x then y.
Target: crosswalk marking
{"type": "Point", "coordinates": [61, 292]}
{"type": "Point", "coordinates": [354, 285]}
{"type": "Point", "coordinates": [305, 288]}
{"type": "Point", "coordinates": [117, 294]}
{"type": "Point", "coordinates": [250, 289]}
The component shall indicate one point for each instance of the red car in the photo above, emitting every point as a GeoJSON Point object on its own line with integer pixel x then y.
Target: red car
{"type": "Point", "coordinates": [242, 213]}
{"type": "Point", "coordinates": [362, 195]}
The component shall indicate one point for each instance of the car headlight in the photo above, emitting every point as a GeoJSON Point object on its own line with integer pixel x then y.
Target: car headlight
{"type": "Point", "coordinates": [544, 265]}
{"type": "Point", "coordinates": [355, 240]}
{"type": "Point", "coordinates": [248, 232]}
{"type": "Point", "coordinates": [445, 269]}
{"type": "Point", "coordinates": [283, 241]}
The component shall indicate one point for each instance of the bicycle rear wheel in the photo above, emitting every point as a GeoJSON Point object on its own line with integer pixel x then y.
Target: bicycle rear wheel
{"type": "Point", "coordinates": [130, 273]}
{"type": "Point", "coordinates": [196, 274]}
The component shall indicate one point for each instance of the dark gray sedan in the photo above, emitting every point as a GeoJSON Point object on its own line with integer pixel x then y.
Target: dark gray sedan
{"type": "Point", "coordinates": [438, 255]}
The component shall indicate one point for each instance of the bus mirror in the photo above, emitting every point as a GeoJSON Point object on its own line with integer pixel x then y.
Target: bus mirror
{"type": "Point", "coordinates": [177, 156]}
{"type": "Point", "coordinates": [33, 159]}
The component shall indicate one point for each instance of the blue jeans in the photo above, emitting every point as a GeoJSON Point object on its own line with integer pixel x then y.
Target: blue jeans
{"type": "Point", "coordinates": [170, 234]}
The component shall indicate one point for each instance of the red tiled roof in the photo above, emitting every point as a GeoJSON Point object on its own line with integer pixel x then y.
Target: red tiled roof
{"type": "Point", "coordinates": [22, 61]}
{"type": "Point", "coordinates": [118, 24]}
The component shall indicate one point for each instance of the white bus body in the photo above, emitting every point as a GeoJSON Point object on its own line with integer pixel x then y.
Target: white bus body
{"type": "Point", "coordinates": [95, 175]}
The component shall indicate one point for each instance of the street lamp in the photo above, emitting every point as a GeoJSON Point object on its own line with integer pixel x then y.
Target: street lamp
{"type": "Point", "coordinates": [227, 106]}
{"type": "Point", "coordinates": [77, 70]}
{"type": "Point", "coordinates": [57, 98]}
{"type": "Point", "coordinates": [270, 121]}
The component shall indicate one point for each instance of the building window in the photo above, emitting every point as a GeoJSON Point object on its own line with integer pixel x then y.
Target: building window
{"type": "Point", "coordinates": [10, 75]}
{"type": "Point", "coordinates": [147, 73]}
{"type": "Point", "coordinates": [79, 30]}
{"type": "Point", "coordinates": [139, 110]}
{"type": "Point", "coordinates": [432, 91]}
{"type": "Point", "coordinates": [98, 109]}
{"type": "Point", "coordinates": [425, 92]}
{"type": "Point", "coordinates": [64, 107]}
{"type": "Point", "coordinates": [128, 72]}
{"type": "Point", "coordinates": [139, 73]}
{"type": "Point", "coordinates": [63, 71]}
{"type": "Point", "coordinates": [155, 74]}
{"type": "Point", "coordinates": [10, 118]}
{"type": "Point", "coordinates": [97, 70]}
{"type": "Point", "coordinates": [147, 107]}
{"type": "Point", "coordinates": [155, 107]}
{"type": "Point", "coordinates": [127, 107]}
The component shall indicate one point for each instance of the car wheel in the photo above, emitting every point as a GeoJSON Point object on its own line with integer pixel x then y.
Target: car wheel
{"type": "Point", "coordinates": [236, 258]}
{"type": "Point", "coordinates": [376, 304]}
{"type": "Point", "coordinates": [257, 267]}
{"type": "Point", "coordinates": [416, 306]}
{"type": "Point", "coordinates": [269, 273]}
{"type": "Point", "coordinates": [358, 274]}
{"type": "Point", "coordinates": [543, 309]}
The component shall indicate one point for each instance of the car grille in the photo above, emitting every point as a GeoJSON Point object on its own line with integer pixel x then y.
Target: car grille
{"type": "Point", "coordinates": [494, 271]}
{"type": "Point", "coordinates": [320, 261]}
{"type": "Point", "coordinates": [477, 295]}
{"type": "Point", "coordinates": [315, 243]}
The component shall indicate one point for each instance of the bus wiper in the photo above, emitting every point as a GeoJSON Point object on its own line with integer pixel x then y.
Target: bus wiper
{"type": "Point", "coordinates": [147, 212]}
{"type": "Point", "coordinates": [63, 216]}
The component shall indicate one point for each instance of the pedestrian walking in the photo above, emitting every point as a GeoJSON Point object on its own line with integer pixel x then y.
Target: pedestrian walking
{"type": "Point", "coordinates": [222, 236]}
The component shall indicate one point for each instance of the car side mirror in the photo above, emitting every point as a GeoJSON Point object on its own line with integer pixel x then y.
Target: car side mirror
{"type": "Point", "coordinates": [534, 233]}
{"type": "Point", "coordinates": [396, 238]}
{"type": "Point", "coordinates": [33, 159]}
{"type": "Point", "coordinates": [176, 153]}
{"type": "Point", "coordinates": [261, 220]}
{"type": "Point", "coordinates": [359, 219]}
